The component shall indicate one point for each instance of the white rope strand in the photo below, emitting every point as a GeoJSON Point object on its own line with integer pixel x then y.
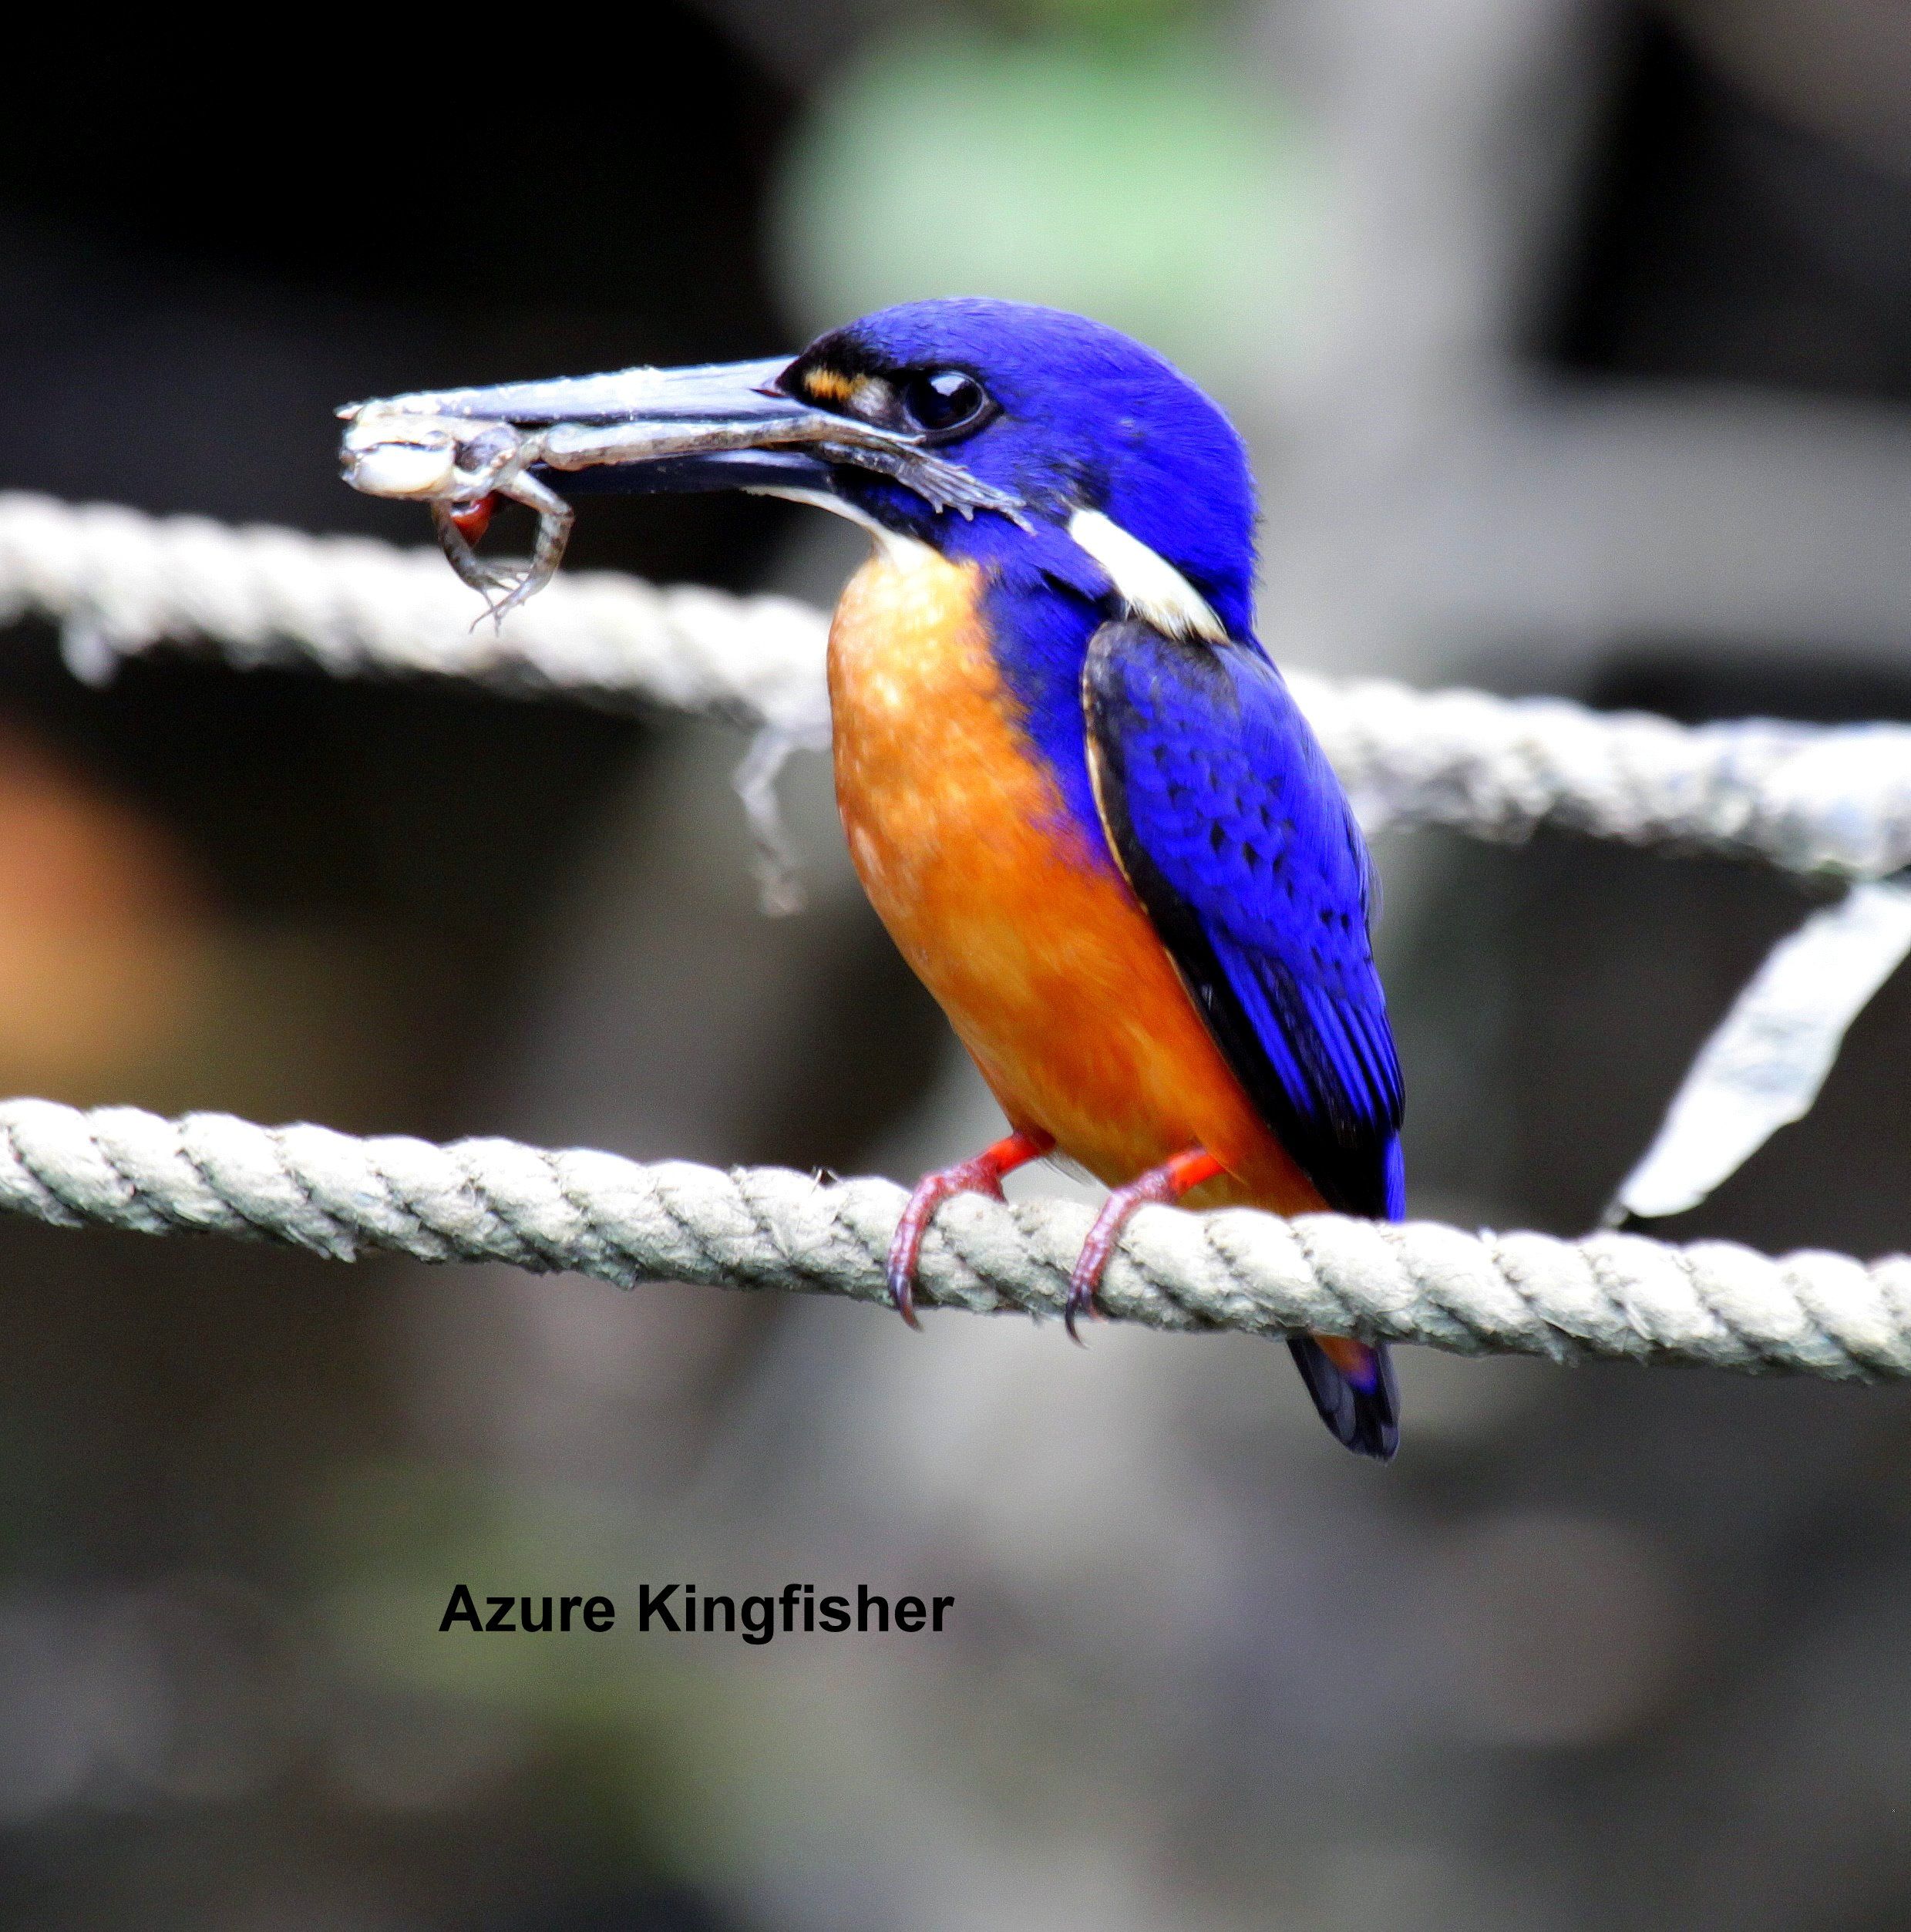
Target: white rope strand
{"type": "Point", "coordinates": [1809, 799]}
{"type": "Point", "coordinates": [1611, 1295]}
{"type": "Point", "coordinates": [1835, 800]}
{"type": "Point", "coordinates": [123, 582]}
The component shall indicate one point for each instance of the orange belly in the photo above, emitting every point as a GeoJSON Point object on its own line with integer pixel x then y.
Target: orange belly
{"type": "Point", "coordinates": [1012, 917]}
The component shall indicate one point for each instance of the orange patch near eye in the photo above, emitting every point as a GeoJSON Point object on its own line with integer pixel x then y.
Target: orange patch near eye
{"type": "Point", "coordinates": [826, 385]}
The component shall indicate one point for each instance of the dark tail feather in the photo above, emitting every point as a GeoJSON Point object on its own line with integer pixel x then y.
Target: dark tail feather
{"type": "Point", "coordinates": [1352, 1384]}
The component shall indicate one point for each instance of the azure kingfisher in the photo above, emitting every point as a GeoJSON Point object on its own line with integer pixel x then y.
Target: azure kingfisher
{"type": "Point", "coordinates": [1076, 790]}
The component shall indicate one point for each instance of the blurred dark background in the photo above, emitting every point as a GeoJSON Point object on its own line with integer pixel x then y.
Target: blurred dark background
{"type": "Point", "coordinates": [1574, 340]}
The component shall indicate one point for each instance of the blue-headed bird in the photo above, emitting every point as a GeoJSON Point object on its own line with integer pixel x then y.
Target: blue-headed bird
{"type": "Point", "coordinates": [1076, 790]}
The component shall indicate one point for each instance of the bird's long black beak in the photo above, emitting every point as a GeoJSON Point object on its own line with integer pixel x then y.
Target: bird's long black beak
{"type": "Point", "coordinates": [718, 427]}
{"type": "Point", "coordinates": [725, 426]}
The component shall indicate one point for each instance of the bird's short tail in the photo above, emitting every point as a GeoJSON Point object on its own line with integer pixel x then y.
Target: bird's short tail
{"type": "Point", "coordinates": [1352, 1384]}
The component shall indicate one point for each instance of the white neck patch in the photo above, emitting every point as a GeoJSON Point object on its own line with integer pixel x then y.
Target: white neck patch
{"type": "Point", "coordinates": [1146, 582]}
{"type": "Point", "coordinates": [900, 549]}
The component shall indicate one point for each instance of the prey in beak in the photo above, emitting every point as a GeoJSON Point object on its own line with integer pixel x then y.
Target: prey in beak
{"type": "Point", "coordinates": [720, 427]}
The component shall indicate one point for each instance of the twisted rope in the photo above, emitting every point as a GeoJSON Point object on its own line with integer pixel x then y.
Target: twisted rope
{"type": "Point", "coordinates": [123, 582]}
{"type": "Point", "coordinates": [1835, 800]}
{"type": "Point", "coordinates": [597, 1214]}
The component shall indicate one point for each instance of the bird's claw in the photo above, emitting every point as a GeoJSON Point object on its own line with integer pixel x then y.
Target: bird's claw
{"type": "Point", "coordinates": [973, 1177]}
{"type": "Point", "coordinates": [1161, 1186]}
{"type": "Point", "coordinates": [980, 1174]}
{"type": "Point", "coordinates": [1085, 1279]}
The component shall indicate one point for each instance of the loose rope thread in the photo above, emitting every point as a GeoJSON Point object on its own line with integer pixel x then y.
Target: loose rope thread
{"type": "Point", "coordinates": [1610, 1295]}
{"type": "Point", "coordinates": [1835, 800]}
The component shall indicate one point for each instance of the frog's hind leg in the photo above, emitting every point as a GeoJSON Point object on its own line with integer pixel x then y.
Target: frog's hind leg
{"type": "Point", "coordinates": [503, 590]}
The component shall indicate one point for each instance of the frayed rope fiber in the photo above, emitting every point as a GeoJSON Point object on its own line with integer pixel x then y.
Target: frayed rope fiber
{"type": "Point", "coordinates": [1610, 1295]}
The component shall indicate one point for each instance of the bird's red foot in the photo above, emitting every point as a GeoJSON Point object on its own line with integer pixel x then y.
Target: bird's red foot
{"type": "Point", "coordinates": [980, 1175]}
{"type": "Point", "coordinates": [1164, 1185]}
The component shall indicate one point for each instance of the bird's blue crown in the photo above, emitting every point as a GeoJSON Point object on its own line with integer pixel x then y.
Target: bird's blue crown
{"type": "Point", "coordinates": [1061, 412]}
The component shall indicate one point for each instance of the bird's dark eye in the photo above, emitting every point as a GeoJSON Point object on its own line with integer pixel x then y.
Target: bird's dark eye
{"type": "Point", "coordinates": [941, 402]}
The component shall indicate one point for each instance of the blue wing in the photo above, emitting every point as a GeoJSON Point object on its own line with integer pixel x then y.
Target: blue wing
{"type": "Point", "coordinates": [1237, 838]}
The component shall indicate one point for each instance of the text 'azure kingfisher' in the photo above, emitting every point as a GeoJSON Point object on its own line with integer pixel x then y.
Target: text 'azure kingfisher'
{"type": "Point", "coordinates": [1074, 788]}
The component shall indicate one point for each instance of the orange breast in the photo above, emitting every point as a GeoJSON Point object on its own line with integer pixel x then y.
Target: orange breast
{"type": "Point", "coordinates": [1013, 917]}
